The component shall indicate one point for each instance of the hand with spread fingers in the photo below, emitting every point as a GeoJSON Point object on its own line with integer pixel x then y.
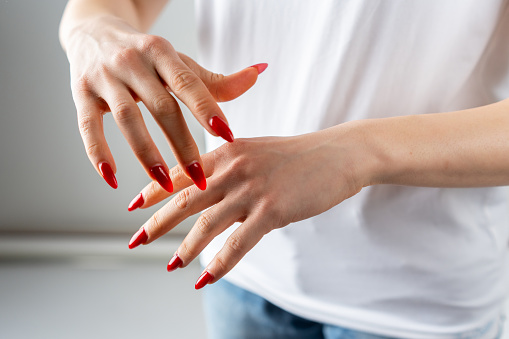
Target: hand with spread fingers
{"type": "Point", "coordinates": [114, 65]}
{"type": "Point", "coordinates": [260, 183]}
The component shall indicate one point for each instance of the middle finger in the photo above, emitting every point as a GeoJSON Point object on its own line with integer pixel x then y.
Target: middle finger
{"type": "Point", "coordinates": [166, 111]}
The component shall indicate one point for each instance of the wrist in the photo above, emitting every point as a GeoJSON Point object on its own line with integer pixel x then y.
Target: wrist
{"type": "Point", "coordinates": [99, 27]}
{"type": "Point", "coordinates": [372, 160]}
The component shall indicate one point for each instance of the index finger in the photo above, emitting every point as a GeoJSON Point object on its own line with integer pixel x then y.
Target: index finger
{"type": "Point", "coordinates": [190, 89]}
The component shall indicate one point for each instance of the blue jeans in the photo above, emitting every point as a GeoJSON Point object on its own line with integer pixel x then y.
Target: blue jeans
{"type": "Point", "coordinates": [234, 313]}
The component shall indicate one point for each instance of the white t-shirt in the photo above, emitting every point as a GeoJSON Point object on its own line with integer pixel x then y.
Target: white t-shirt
{"type": "Point", "coordinates": [398, 261]}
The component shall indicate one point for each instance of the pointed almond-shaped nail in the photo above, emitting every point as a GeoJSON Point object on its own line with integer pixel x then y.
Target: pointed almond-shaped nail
{"type": "Point", "coordinates": [261, 67]}
{"type": "Point", "coordinates": [196, 173]}
{"type": "Point", "coordinates": [108, 175]}
{"type": "Point", "coordinates": [137, 202]}
{"type": "Point", "coordinates": [221, 128]}
{"type": "Point", "coordinates": [203, 280]}
{"type": "Point", "coordinates": [174, 263]}
{"type": "Point", "coordinates": [138, 238]}
{"type": "Point", "coordinates": [162, 177]}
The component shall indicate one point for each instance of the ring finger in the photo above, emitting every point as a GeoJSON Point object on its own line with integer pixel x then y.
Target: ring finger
{"type": "Point", "coordinates": [128, 117]}
{"type": "Point", "coordinates": [167, 113]}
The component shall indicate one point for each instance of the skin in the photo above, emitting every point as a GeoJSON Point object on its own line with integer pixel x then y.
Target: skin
{"type": "Point", "coordinates": [259, 182]}
{"type": "Point", "coordinates": [114, 65]}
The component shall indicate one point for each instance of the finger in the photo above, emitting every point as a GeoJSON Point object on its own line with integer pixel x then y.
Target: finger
{"type": "Point", "coordinates": [189, 88]}
{"type": "Point", "coordinates": [186, 203]}
{"type": "Point", "coordinates": [241, 241]}
{"type": "Point", "coordinates": [90, 122]}
{"type": "Point", "coordinates": [225, 88]}
{"type": "Point", "coordinates": [128, 117]}
{"type": "Point", "coordinates": [167, 113]}
{"type": "Point", "coordinates": [153, 193]}
{"type": "Point", "coordinates": [211, 223]}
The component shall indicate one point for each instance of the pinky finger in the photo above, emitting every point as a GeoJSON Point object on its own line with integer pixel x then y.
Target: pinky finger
{"type": "Point", "coordinates": [241, 241]}
{"type": "Point", "coordinates": [90, 123]}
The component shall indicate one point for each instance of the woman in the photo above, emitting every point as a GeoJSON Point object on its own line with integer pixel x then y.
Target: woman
{"type": "Point", "coordinates": [369, 158]}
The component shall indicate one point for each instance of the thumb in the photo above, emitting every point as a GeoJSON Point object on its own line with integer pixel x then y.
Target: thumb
{"type": "Point", "coordinates": [225, 88]}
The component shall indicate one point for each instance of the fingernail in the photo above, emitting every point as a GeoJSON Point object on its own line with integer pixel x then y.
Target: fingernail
{"type": "Point", "coordinates": [174, 263]}
{"type": "Point", "coordinates": [221, 128]}
{"type": "Point", "coordinates": [196, 173]}
{"type": "Point", "coordinates": [108, 174]}
{"type": "Point", "coordinates": [261, 67]}
{"type": "Point", "coordinates": [138, 238]}
{"type": "Point", "coordinates": [203, 280]}
{"type": "Point", "coordinates": [136, 203]}
{"type": "Point", "coordinates": [162, 177]}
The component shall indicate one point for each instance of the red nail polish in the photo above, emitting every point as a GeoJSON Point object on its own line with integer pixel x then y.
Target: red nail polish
{"type": "Point", "coordinates": [138, 238]}
{"type": "Point", "coordinates": [137, 202]}
{"type": "Point", "coordinates": [221, 128]}
{"type": "Point", "coordinates": [174, 263]}
{"type": "Point", "coordinates": [261, 67]}
{"type": "Point", "coordinates": [203, 280]}
{"type": "Point", "coordinates": [162, 177]}
{"type": "Point", "coordinates": [108, 174]}
{"type": "Point", "coordinates": [196, 173]}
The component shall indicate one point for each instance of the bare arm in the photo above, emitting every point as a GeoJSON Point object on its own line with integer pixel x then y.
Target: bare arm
{"type": "Point", "coordinates": [261, 181]}
{"type": "Point", "coordinates": [467, 148]}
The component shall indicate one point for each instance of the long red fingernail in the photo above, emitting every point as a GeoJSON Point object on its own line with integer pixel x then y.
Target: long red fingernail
{"type": "Point", "coordinates": [136, 203]}
{"type": "Point", "coordinates": [261, 67]}
{"type": "Point", "coordinates": [221, 128]}
{"type": "Point", "coordinates": [203, 280]}
{"type": "Point", "coordinates": [108, 174]}
{"type": "Point", "coordinates": [162, 177]}
{"type": "Point", "coordinates": [138, 238]}
{"type": "Point", "coordinates": [174, 263]}
{"type": "Point", "coordinates": [196, 173]}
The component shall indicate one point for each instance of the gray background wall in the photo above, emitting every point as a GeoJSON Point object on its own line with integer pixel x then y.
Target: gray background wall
{"type": "Point", "coordinates": [46, 181]}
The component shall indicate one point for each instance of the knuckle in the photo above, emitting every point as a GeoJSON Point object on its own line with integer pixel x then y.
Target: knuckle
{"type": "Point", "coordinates": [176, 172]}
{"type": "Point", "coordinates": [124, 57]}
{"type": "Point", "coordinates": [204, 224]}
{"type": "Point", "coordinates": [220, 263]}
{"type": "Point", "coordinates": [182, 199]}
{"type": "Point", "coordinates": [156, 222]}
{"type": "Point", "coordinates": [93, 149]}
{"type": "Point", "coordinates": [164, 105]}
{"type": "Point", "coordinates": [81, 85]}
{"type": "Point", "coordinates": [271, 212]}
{"type": "Point", "coordinates": [217, 80]}
{"type": "Point", "coordinates": [182, 80]}
{"type": "Point", "coordinates": [186, 251]}
{"type": "Point", "coordinates": [235, 244]}
{"type": "Point", "coordinates": [124, 112]}
{"type": "Point", "coordinates": [234, 149]}
{"type": "Point", "coordinates": [152, 43]}
{"type": "Point", "coordinates": [203, 106]}
{"type": "Point", "coordinates": [240, 169]}
{"type": "Point", "coordinates": [152, 190]}
{"type": "Point", "coordinates": [85, 123]}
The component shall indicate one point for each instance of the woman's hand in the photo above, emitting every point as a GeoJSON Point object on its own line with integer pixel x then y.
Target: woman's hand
{"type": "Point", "coordinates": [264, 183]}
{"type": "Point", "coordinates": [114, 66]}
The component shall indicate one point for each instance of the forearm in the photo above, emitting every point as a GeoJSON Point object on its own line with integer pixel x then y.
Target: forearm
{"type": "Point", "coordinates": [139, 14]}
{"type": "Point", "coordinates": [466, 148]}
